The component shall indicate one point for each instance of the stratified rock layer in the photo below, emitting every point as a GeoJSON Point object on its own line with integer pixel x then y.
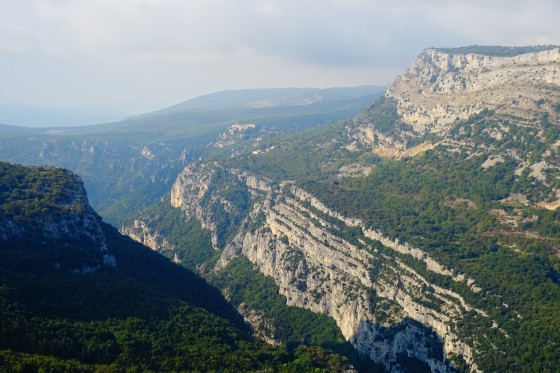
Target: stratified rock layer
{"type": "Point", "coordinates": [382, 305]}
{"type": "Point", "coordinates": [442, 88]}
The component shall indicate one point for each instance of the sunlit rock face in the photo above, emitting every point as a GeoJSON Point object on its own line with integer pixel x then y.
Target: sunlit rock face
{"type": "Point", "coordinates": [441, 88]}
{"type": "Point", "coordinates": [382, 306]}
{"type": "Point", "coordinates": [393, 301]}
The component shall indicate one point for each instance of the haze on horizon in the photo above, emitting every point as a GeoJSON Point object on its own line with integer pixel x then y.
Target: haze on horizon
{"type": "Point", "coordinates": [137, 56]}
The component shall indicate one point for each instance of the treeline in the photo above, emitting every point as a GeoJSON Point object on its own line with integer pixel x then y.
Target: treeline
{"type": "Point", "coordinates": [497, 51]}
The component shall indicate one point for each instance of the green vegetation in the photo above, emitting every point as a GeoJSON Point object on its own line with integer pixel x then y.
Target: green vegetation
{"type": "Point", "coordinates": [445, 203]}
{"type": "Point", "coordinates": [478, 221]}
{"type": "Point", "coordinates": [292, 326]}
{"type": "Point", "coordinates": [191, 243]}
{"type": "Point", "coordinates": [145, 314]}
{"type": "Point", "coordinates": [440, 202]}
{"type": "Point", "coordinates": [497, 51]}
{"type": "Point", "coordinates": [122, 178]}
{"type": "Point", "coordinates": [31, 195]}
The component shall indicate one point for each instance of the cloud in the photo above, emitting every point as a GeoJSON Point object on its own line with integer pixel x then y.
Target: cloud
{"type": "Point", "coordinates": [133, 52]}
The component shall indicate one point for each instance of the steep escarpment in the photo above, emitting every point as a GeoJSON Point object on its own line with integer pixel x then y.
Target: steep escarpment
{"type": "Point", "coordinates": [501, 107]}
{"type": "Point", "coordinates": [441, 251]}
{"type": "Point", "coordinates": [442, 88]}
{"type": "Point", "coordinates": [394, 301]}
{"type": "Point", "coordinates": [66, 306]}
{"type": "Point", "coordinates": [217, 206]}
{"type": "Point", "coordinates": [334, 265]}
{"type": "Point", "coordinates": [59, 212]}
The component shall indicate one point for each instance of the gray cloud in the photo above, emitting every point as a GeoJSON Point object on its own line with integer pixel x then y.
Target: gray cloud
{"type": "Point", "coordinates": [138, 55]}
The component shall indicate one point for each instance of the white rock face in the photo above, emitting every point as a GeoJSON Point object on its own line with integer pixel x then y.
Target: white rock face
{"type": "Point", "coordinates": [141, 232]}
{"type": "Point", "coordinates": [382, 305]}
{"type": "Point", "coordinates": [376, 288]}
{"type": "Point", "coordinates": [318, 270]}
{"type": "Point", "coordinates": [441, 88]}
{"type": "Point", "coordinates": [187, 192]}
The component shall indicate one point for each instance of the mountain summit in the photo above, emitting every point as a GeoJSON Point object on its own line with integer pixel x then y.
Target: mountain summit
{"type": "Point", "coordinates": [444, 86]}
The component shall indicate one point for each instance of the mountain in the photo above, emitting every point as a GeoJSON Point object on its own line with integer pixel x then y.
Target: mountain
{"type": "Point", "coordinates": [272, 97]}
{"type": "Point", "coordinates": [131, 164]}
{"type": "Point", "coordinates": [426, 226]}
{"type": "Point", "coordinates": [75, 295]}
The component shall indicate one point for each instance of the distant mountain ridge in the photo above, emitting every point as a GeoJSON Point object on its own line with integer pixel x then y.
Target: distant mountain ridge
{"type": "Point", "coordinates": [25, 116]}
{"type": "Point", "coordinates": [134, 160]}
{"type": "Point", "coordinates": [271, 97]}
{"type": "Point", "coordinates": [427, 226]}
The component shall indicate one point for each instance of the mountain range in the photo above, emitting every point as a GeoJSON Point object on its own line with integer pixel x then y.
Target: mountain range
{"type": "Point", "coordinates": [129, 164]}
{"type": "Point", "coordinates": [422, 229]}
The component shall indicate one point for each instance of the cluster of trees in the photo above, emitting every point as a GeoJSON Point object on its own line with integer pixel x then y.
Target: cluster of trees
{"type": "Point", "coordinates": [497, 51]}
{"type": "Point", "coordinates": [188, 240]}
{"type": "Point", "coordinates": [31, 194]}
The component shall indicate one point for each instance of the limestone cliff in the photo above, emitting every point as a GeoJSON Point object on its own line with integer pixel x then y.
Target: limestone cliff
{"type": "Point", "coordinates": [213, 195]}
{"type": "Point", "coordinates": [441, 88]}
{"type": "Point", "coordinates": [483, 105]}
{"type": "Point", "coordinates": [362, 279]}
{"type": "Point", "coordinates": [394, 299]}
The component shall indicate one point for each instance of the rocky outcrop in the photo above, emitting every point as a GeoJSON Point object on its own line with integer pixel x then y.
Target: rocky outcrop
{"type": "Point", "coordinates": [234, 133]}
{"type": "Point", "coordinates": [68, 222]}
{"type": "Point", "coordinates": [143, 232]}
{"type": "Point", "coordinates": [139, 231]}
{"type": "Point", "coordinates": [189, 190]}
{"type": "Point", "coordinates": [261, 327]}
{"type": "Point", "coordinates": [475, 104]}
{"type": "Point", "coordinates": [441, 88]}
{"type": "Point", "coordinates": [215, 196]}
{"type": "Point", "coordinates": [391, 300]}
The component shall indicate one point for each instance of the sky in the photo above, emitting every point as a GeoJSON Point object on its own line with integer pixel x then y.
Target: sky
{"type": "Point", "coordinates": [136, 56]}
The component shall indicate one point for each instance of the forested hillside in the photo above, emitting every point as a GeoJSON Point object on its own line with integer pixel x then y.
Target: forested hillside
{"type": "Point", "coordinates": [65, 307]}
{"type": "Point", "coordinates": [129, 165]}
{"type": "Point", "coordinates": [426, 226]}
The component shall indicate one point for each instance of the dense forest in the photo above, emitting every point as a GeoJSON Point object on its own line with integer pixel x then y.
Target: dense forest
{"type": "Point", "coordinates": [144, 314]}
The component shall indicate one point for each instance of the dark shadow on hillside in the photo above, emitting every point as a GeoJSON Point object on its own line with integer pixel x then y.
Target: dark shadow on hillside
{"type": "Point", "coordinates": [406, 347]}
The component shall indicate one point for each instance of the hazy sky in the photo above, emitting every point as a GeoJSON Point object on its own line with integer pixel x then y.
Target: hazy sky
{"type": "Point", "coordinates": [141, 55]}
